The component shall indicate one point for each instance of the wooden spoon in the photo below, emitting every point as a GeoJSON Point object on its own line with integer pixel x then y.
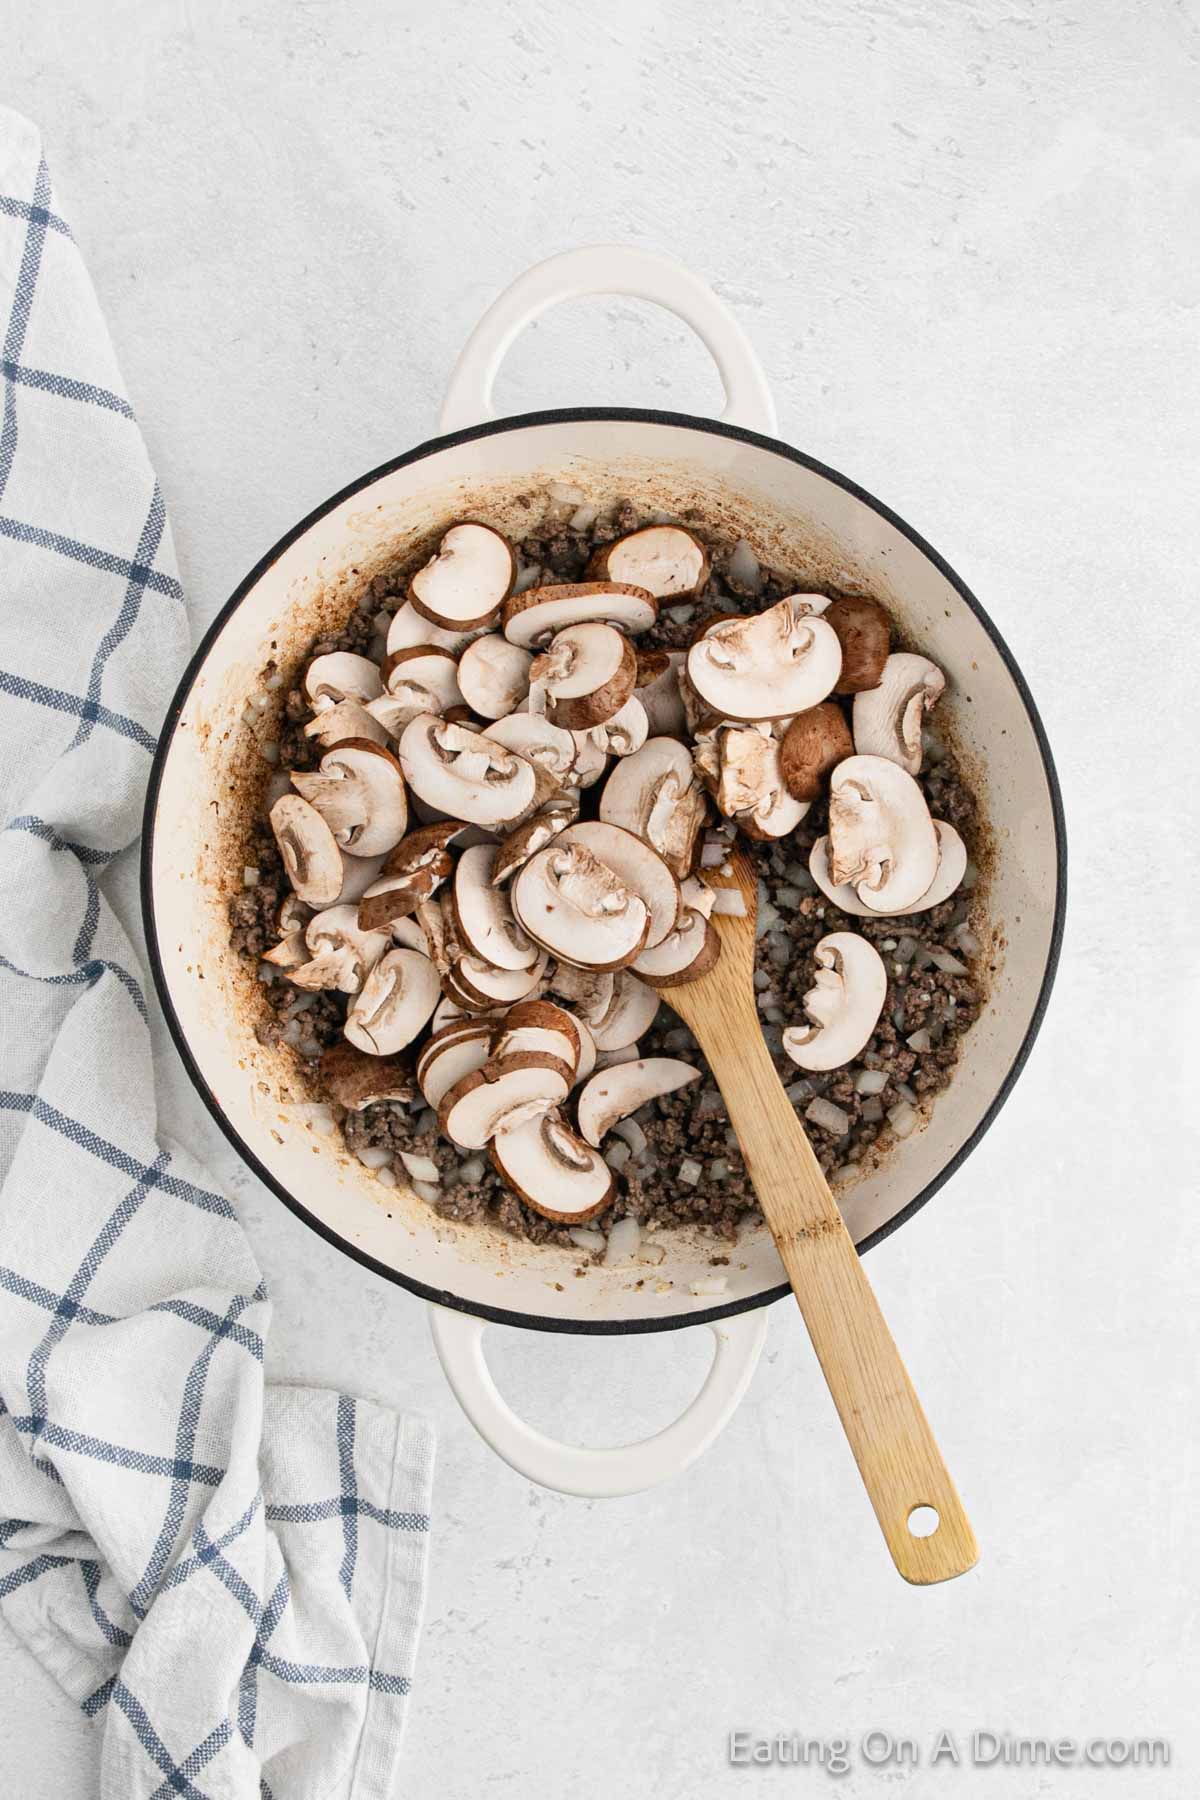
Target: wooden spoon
{"type": "Point", "coordinates": [898, 1459]}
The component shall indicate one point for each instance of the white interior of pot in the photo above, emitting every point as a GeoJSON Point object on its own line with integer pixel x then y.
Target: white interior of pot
{"type": "Point", "coordinates": [794, 519]}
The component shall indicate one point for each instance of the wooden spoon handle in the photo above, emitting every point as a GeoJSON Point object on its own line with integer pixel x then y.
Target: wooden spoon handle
{"type": "Point", "coordinates": [897, 1456]}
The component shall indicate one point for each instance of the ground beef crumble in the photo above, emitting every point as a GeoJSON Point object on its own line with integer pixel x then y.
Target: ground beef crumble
{"type": "Point", "coordinates": [688, 1129]}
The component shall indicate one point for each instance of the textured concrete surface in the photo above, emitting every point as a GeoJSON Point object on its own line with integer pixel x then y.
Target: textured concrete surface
{"type": "Point", "coordinates": [962, 237]}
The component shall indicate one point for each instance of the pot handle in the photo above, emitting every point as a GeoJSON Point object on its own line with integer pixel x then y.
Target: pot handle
{"type": "Point", "coordinates": [609, 269]}
{"type": "Point", "coordinates": [597, 1474]}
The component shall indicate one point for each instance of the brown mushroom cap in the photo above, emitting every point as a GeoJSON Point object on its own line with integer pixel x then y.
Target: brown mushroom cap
{"type": "Point", "coordinates": [465, 583]}
{"type": "Point", "coordinates": [864, 632]}
{"type": "Point", "coordinates": [532, 618]}
{"type": "Point", "coordinates": [355, 1080]}
{"type": "Point", "coordinates": [814, 743]}
{"type": "Point", "coordinates": [669, 561]}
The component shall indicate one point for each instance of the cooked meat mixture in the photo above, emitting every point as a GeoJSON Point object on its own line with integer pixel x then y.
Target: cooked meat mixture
{"type": "Point", "coordinates": [684, 1167]}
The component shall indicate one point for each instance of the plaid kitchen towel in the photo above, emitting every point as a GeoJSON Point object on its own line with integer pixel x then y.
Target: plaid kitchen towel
{"type": "Point", "coordinates": [227, 1577]}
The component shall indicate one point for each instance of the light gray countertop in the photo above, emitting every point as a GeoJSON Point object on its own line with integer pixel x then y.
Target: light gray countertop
{"type": "Point", "coordinates": [962, 238]}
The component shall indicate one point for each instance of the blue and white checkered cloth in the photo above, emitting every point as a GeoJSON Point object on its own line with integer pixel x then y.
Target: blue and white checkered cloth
{"type": "Point", "coordinates": [227, 1577]}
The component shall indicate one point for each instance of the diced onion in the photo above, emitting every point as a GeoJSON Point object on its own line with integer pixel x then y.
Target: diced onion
{"type": "Point", "coordinates": [906, 1093]}
{"type": "Point", "coordinates": [743, 566]}
{"type": "Point", "coordinates": [583, 518]}
{"type": "Point", "coordinates": [652, 1253]}
{"type": "Point", "coordinates": [920, 1041]}
{"type": "Point", "coordinates": [617, 1155]}
{"type": "Point", "coordinates": [421, 1168]}
{"type": "Point", "coordinates": [249, 877]}
{"type": "Point", "coordinates": [709, 1285]}
{"type": "Point", "coordinates": [426, 1190]}
{"type": "Point", "coordinates": [388, 1177]}
{"type": "Point", "coordinates": [730, 903]}
{"type": "Point", "coordinates": [690, 1171]}
{"type": "Point", "coordinates": [585, 1239]}
{"type": "Point", "coordinates": [472, 1170]}
{"type": "Point", "coordinates": [634, 1136]}
{"type": "Point", "coordinates": [829, 1117]}
{"type": "Point", "coordinates": [949, 965]}
{"type": "Point", "coordinates": [871, 1081]}
{"type": "Point", "coordinates": [902, 1118]}
{"type": "Point", "coordinates": [623, 1241]}
{"type": "Point", "coordinates": [374, 1156]}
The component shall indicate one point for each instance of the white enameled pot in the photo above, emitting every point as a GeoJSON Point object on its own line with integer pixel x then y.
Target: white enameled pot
{"type": "Point", "coordinates": [209, 777]}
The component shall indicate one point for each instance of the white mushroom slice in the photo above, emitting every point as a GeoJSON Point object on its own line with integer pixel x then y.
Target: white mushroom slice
{"type": "Point", "coordinates": [630, 1012]}
{"type": "Point", "coordinates": [291, 952]}
{"type": "Point", "coordinates": [397, 998]}
{"type": "Point", "coordinates": [881, 836]}
{"type": "Point", "coordinates": [464, 774]}
{"type": "Point", "coordinates": [658, 690]}
{"type": "Point", "coordinates": [586, 674]}
{"type": "Point", "coordinates": [690, 951]}
{"type": "Point", "coordinates": [494, 675]}
{"type": "Point", "coordinates": [342, 954]}
{"type": "Point", "coordinates": [359, 792]}
{"type": "Point", "coordinates": [743, 764]}
{"type": "Point", "coordinates": [409, 629]}
{"type": "Point", "coordinates": [571, 903]}
{"type": "Point", "coordinates": [638, 866]}
{"type": "Point", "coordinates": [407, 933]}
{"type": "Point", "coordinates": [888, 718]}
{"type": "Point", "coordinates": [666, 560]}
{"type": "Point", "coordinates": [411, 874]}
{"type": "Point", "coordinates": [612, 1059]}
{"type": "Point", "coordinates": [616, 1092]}
{"type": "Point", "coordinates": [356, 1081]}
{"type": "Point", "coordinates": [467, 581]}
{"type": "Point", "coordinates": [552, 1170]}
{"type": "Point", "coordinates": [952, 866]}
{"type": "Point", "coordinates": [499, 1097]}
{"type": "Point", "coordinates": [541, 1028]}
{"type": "Point", "coordinates": [532, 736]}
{"type": "Point", "coordinates": [588, 992]}
{"type": "Point", "coordinates": [528, 839]}
{"type": "Point", "coordinates": [448, 1012]}
{"type": "Point", "coordinates": [626, 732]}
{"type": "Point", "coordinates": [591, 758]}
{"type": "Point", "coordinates": [587, 1050]}
{"type": "Point", "coordinates": [421, 680]}
{"type": "Point", "coordinates": [340, 676]}
{"type": "Point", "coordinates": [769, 665]}
{"type": "Point", "coordinates": [843, 1004]}
{"type": "Point", "coordinates": [483, 915]}
{"type": "Point", "coordinates": [485, 986]}
{"type": "Point", "coordinates": [531, 619]}
{"type": "Point", "coordinates": [451, 1053]}
{"type": "Point", "coordinates": [345, 719]}
{"type": "Point", "coordinates": [654, 794]}
{"type": "Point", "coordinates": [309, 850]}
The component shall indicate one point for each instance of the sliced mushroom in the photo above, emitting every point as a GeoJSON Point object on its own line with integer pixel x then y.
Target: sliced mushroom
{"type": "Point", "coordinates": [616, 1092]}
{"type": "Point", "coordinates": [467, 581]}
{"type": "Point", "coordinates": [392, 899]}
{"type": "Point", "coordinates": [532, 619]}
{"type": "Point", "coordinates": [587, 1051]}
{"type": "Point", "coordinates": [340, 676]}
{"type": "Point", "coordinates": [586, 674]}
{"type": "Point", "coordinates": [882, 839]}
{"type": "Point", "coordinates": [527, 839]}
{"type": "Point", "coordinates": [654, 793]}
{"type": "Point", "coordinates": [553, 1170]}
{"type": "Point", "coordinates": [346, 719]}
{"type": "Point", "coordinates": [398, 997]}
{"type": "Point", "coordinates": [591, 758]}
{"type": "Point", "coordinates": [691, 951]}
{"type": "Point", "coordinates": [888, 719]}
{"type": "Point", "coordinates": [456, 1050]}
{"type": "Point", "coordinates": [409, 629]}
{"type": "Point", "coordinates": [309, 850]}
{"type": "Point", "coordinates": [356, 1081]}
{"type": "Point", "coordinates": [657, 687]}
{"type": "Point", "coordinates": [342, 954]}
{"type": "Point", "coordinates": [637, 865]}
{"type": "Point", "coordinates": [483, 986]}
{"type": "Point", "coordinates": [291, 952]}
{"type": "Point", "coordinates": [952, 866]}
{"type": "Point", "coordinates": [742, 765]}
{"type": "Point", "coordinates": [843, 1004]}
{"type": "Point", "coordinates": [483, 915]}
{"type": "Point", "coordinates": [588, 992]}
{"type": "Point", "coordinates": [666, 560]}
{"type": "Point", "coordinates": [465, 774]}
{"type": "Point", "coordinates": [770, 665]}
{"type": "Point", "coordinates": [494, 676]}
{"type": "Point", "coordinates": [696, 894]}
{"type": "Point", "coordinates": [864, 632]}
{"type": "Point", "coordinates": [360, 794]}
{"type": "Point", "coordinates": [815, 742]}
{"type": "Point", "coordinates": [421, 680]}
{"type": "Point", "coordinates": [546, 746]}
{"type": "Point", "coordinates": [567, 900]}
{"type": "Point", "coordinates": [630, 1012]}
{"type": "Point", "coordinates": [626, 732]}
{"type": "Point", "coordinates": [499, 1097]}
{"type": "Point", "coordinates": [543, 1028]}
